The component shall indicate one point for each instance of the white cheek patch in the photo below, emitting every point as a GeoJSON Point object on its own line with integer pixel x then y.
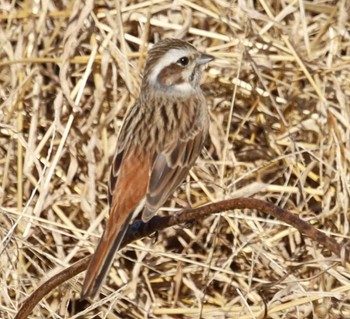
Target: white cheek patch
{"type": "Point", "coordinates": [172, 56]}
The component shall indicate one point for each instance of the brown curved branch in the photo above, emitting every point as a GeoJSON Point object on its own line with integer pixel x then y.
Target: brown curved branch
{"type": "Point", "coordinates": [140, 230]}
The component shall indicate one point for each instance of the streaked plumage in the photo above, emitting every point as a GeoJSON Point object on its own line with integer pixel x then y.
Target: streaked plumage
{"type": "Point", "coordinates": [160, 139]}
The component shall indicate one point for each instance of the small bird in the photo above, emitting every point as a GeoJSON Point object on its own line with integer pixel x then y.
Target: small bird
{"type": "Point", "coordinates": [160, 139]}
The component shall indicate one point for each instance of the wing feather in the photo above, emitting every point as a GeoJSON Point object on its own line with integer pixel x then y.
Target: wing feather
{"type": "Point", "coordinates": [169, 169]}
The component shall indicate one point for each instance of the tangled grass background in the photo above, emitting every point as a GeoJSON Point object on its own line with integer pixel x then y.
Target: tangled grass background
{"type": "Point", "coordinates": [278, 94]}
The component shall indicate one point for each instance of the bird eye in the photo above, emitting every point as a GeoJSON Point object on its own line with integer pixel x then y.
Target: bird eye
{"type": "Point", "coordinates": [183, 61]}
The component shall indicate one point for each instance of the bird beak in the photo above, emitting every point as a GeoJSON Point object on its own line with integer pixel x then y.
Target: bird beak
{"type": "Point", "coordinates": [205, 58]}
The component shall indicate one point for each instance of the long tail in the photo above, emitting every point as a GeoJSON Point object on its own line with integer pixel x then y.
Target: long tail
{"type": "Point", "coordinates": [102, 259]}
{"type": "Point", "coordinates": [128, 199]}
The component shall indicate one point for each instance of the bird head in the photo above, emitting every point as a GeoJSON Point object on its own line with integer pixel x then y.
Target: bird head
{"type": "Point", "coordinates": [174, 67]}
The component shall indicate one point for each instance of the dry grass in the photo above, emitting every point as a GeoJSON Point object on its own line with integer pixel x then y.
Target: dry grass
{"type": "Point", "coordinates": [279, 99]}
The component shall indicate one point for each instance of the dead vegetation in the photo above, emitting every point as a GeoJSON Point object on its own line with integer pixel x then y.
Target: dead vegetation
{"type": "Point", "coordinates": [278, 94]}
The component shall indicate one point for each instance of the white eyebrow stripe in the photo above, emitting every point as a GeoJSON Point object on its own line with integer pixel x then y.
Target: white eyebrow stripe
{"type": "Point", "coordinates": [172, 56]}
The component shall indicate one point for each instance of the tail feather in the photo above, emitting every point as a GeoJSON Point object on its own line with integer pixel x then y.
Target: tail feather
{"type": "Point", "coordinates": [102, 259]}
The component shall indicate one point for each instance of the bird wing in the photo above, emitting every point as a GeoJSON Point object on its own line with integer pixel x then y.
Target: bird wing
{"type": "Point", "coordinates": [170, 168]}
